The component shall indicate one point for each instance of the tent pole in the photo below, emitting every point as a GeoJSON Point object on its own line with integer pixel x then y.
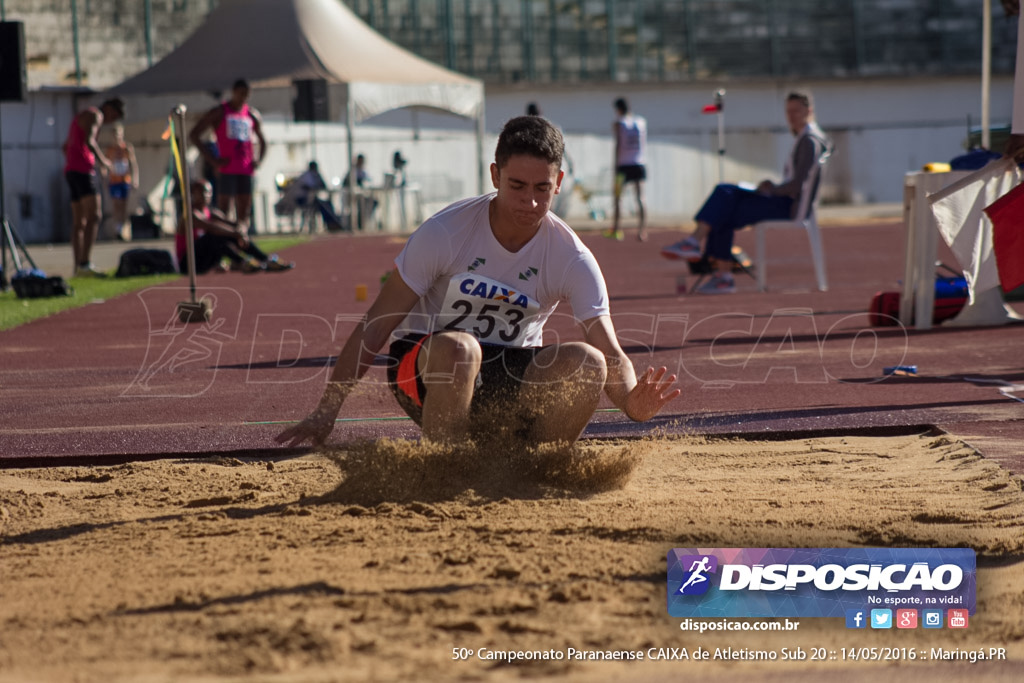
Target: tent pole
{"type": "Point", "coordinates": [349, 189]}
{"type": "Point", "coordinates": [986, 73]}
{"type": "Point", "coordinates": [480, 163]}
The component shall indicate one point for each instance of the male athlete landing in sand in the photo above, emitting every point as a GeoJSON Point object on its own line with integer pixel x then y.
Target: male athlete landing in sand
{"type": "Point", "coordinates": [469, 297]}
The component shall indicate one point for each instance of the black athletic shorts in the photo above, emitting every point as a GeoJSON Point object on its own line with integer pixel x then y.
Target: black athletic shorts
{"type": "Point", "coordinates": [81, 184]}
{"type": "Point", "coordinates": [497, 385]}
{"type": "Point", "coordinates": [631, 173]}
{"type": "Point", "coordinates": [230, 184]}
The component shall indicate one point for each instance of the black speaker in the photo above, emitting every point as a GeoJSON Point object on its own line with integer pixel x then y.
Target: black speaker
{"type": "Point", "coordinates": [13, 82]}
{"type": "Point", "coordinates": [311, 101]}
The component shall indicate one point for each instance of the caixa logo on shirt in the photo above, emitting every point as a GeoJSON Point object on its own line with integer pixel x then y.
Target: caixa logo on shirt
{"type": "Point", "coordinates": [485, 288]}
{"type": "Point", "coordinates": [750, 582]}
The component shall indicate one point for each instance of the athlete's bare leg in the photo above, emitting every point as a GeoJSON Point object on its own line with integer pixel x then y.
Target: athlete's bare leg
{"type": "Point", "coordinates": [561, 390]}
{"type": "Point", "coordinates": [641, 211]}
{"type": "Point", "coordinates": [243, 209]}
{"type": "Point", "coordinates": [85, 222]}
{"type": "Point", "coordinates": [449, 363]}
{"type": "Point", "coordinates": [224, 202]}
{"type": "Point", "coordinates": [77, 228]}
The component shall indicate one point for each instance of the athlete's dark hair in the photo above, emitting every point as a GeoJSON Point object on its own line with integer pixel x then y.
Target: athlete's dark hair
{"type": "Point", "coordinates": [801, 96]}
{"type": "Point", "coordinates": [117, 104]}
{"type": "Point", "coordinates": [530, 135]}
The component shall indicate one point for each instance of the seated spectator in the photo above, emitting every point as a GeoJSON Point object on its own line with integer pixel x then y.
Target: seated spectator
{"type": "Point", "coordinates": [308, 185]}
{"type": "Point", "coordinates": [730, 207]}
{"type": "Point", "coordinates": [361, 176]}
{"type": "Point", "coordinates": [365, 204]}
{"type": "Point", "coordinates": [398, 164]}
{"type": "Point", "coordinates": [216, 238]}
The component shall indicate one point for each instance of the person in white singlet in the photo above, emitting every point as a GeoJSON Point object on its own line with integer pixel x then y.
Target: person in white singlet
{"type": "Point", "coordinates": [465, 309]}
{"type": "Point", "coordinates": [630, 133]}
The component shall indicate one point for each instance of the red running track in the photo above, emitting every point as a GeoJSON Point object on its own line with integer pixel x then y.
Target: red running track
{"type": "Point", "coordinates": [122, 379]}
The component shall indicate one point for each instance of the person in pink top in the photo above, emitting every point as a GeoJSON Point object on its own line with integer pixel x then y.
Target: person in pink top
{"type": "Point", "coordinates": [81, 156]}
{"type": "Point", "coordinates": [236, 125]}
{"type": "Point", "coordinates": [216, 238]}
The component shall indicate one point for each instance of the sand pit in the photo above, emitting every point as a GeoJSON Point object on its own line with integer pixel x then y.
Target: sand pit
{"type": "Point", "coordinates": [374, 563]}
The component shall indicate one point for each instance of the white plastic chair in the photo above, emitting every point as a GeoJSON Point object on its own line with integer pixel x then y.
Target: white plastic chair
{"type": "Point", "coordinates": [806, 219]}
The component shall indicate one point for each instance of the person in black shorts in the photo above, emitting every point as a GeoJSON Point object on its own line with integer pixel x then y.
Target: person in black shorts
{"type": "Point", "coordinates": [82, 156]}
{"type": "Point", "coordinates": [465, 308]}
{"type": "Point", "coordinates": [496, 390]}
{"type": "Point", "coordinates": [630, 133]}
{"type": "Point", "coordinates": [216, 238]}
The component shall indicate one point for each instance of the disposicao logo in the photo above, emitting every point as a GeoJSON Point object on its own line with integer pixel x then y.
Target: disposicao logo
{"type": "Point", "coordinates": [697, 581]}
{"type": "Point", "coordinates": [818, 582]}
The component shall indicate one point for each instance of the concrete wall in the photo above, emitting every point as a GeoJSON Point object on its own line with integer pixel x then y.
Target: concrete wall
{"type": "Point", "coordinates": [111, 37]}
{"type": "Point", "coordinates": [882, 129]}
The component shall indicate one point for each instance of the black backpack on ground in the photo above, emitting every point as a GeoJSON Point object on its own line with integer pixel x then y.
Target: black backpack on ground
{"type": "Point", "coordinates": [145, 262]}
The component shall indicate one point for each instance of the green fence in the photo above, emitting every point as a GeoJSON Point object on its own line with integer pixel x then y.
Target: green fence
{"type": "Point", "coordinates": [686, 40]}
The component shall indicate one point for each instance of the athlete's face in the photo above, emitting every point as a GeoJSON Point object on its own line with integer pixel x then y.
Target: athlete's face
{"type": "Point", "coordinates": [201, 195]}
{"type": "Point", "coordinates": [797, 115]}
{"type": "Point", "coordinates": [526, 187]}
{"type": "Point", "coordinates": [239, 96]}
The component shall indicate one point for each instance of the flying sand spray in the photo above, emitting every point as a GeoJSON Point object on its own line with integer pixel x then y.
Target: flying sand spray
{"type": "Point", "coordinates": [190, 311]}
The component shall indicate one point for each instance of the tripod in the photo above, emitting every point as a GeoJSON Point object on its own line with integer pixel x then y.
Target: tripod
{"type": "Point", "coordinates": [9, 237]}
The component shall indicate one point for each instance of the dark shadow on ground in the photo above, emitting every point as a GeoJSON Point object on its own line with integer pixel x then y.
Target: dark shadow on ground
{"type": "Point", "coordinates": [308, 589]}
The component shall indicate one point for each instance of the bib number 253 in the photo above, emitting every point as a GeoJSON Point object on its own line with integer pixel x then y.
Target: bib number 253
{"type": "Point", "coordinates": [489, 319]}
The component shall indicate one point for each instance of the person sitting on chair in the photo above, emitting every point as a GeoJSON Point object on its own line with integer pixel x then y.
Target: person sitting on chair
{"type": "Point", "coordinates": [365, 204]}
{"type": "Point", "coordinates": [731, 207]}
{"type": "Point", "coordinates": [309, 184]}
{"type": "Point", "coordinates": [216, 238]}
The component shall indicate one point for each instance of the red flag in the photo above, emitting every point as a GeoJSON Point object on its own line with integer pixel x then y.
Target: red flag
{"type": "Point", "coordinates": [1007, 216]}
{"type": "Point", "coordinates": [711, 109]}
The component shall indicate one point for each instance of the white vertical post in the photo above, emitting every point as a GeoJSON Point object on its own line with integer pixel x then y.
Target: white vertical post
{"type": "Point", "coordinates": [986, 72]}
{"type": "Point", "coordinates": [349, 192]}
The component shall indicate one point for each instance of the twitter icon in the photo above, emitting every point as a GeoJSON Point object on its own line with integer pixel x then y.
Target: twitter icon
{"type": "Point", "coordinates": [881, 618]}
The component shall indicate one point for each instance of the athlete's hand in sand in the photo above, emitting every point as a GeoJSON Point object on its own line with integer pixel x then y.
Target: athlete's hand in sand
{"type": "Point", "coordinates": [315, 429]}
{"type": "Point", "coordinates": [651, 393]}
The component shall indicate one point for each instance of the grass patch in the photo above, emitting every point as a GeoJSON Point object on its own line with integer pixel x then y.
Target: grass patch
{"type": "Point", "coordinates": [271, 245]}
{"type": "Point", "coordinates": [15, 311]}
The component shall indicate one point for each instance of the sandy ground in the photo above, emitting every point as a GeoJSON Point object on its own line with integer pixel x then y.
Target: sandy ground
{"type": "Point", "coordinates": [375, 562]}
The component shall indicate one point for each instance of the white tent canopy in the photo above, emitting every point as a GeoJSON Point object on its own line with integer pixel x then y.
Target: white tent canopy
{"type": "Point", "coordinates": [271, 43]}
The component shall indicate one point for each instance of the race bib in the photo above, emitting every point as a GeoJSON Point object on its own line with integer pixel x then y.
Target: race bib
{"type": "Point", "coordinates": [631, 140]}
{"type": "Point", "coordinates": [491, 311]}
{"type": "Point", "coordinates": [239, 128]}
{"type": "Point", "coordinates": [121, 167]}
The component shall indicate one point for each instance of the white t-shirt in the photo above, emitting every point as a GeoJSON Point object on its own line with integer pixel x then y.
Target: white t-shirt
{"type": "Point", "coordinates": [468, 281]}
{"type": "Point", "coordinates": [631, 132]}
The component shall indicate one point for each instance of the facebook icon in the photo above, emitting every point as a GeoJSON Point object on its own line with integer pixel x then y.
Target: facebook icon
{"type": "Point", "coordinates": [855, 618]}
